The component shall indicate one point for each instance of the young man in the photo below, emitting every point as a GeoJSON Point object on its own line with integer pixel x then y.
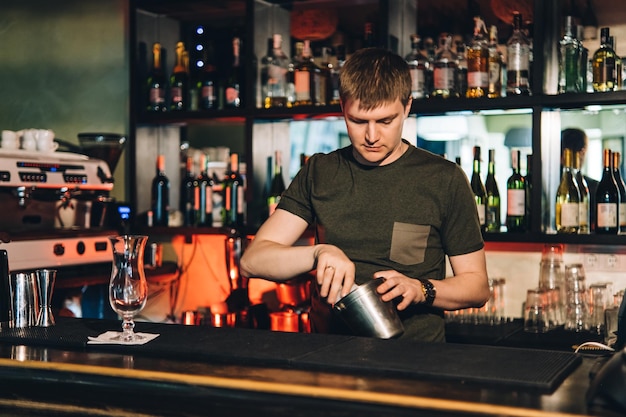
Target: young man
{"type": "Point", "coordinates": [381, 208]}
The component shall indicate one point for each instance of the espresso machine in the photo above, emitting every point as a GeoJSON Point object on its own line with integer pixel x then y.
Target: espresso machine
{"type": "Point", "coordinates": [56, 212]}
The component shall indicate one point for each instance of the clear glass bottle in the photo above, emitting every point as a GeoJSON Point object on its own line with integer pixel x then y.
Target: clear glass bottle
{"type": "Point", "coordinates": [607, 199]}
{"type": "Point", "coordinates": [460, 80]}
{"type": "Point", "coordinates": [518, 60]}
{"type": "Point", "coordinates": [418, 66]}
{"type": "Point", "coordinates": [516, 196]}
{"type": "Point", "coordinates": [567, 198]}
{"type": "Point", "coordinates": [584, 219]}
{"type": "Point", "coordinates": [492, 221]}
{"type": "Point", "coordinates": [495, 65]}
{"type": "Point", "coordinates": [444, 69]}
{"type": "Point", "coordinates": [179, 81]}
{"type": "Point", "coordinates": [603, 64]}
{"type": "Point", "coordinates": [617, 174]}
{"type": "Point", "coordinates": [478, 188]}
{"type": "Point", "coordinates": [570, 50]}
{"type": "Point", "coordinates": [477, 55]}
{"type": "Point", "coordinates": [274, 67]}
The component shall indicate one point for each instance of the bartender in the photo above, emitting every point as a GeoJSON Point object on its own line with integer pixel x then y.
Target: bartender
{"type": "Point", "coordinates": [381, 208]}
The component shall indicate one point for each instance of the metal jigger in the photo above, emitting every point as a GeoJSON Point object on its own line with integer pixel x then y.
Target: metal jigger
{"type": "Point", "coordinates": [45, 285]}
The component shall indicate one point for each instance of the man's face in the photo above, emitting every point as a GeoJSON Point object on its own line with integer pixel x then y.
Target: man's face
{"type": "Point", "coordinates": [376, 134]}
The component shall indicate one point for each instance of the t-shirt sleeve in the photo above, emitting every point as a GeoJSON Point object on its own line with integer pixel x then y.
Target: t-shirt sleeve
{"type": "Point", "coordinates": [296, 198]}
{"type": "Point", "coordinates": [461, 229]}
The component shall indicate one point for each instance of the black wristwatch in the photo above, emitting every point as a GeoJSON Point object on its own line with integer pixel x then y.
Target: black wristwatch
{"type": "Point", "coordinates": [429, 290]}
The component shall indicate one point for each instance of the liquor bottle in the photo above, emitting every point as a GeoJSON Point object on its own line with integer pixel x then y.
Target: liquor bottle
{"type": "Point", "coordinates": [188, 187]}
{"type": "Point", "coordinates": [603, 64]}
{"type": "Point", "coordinates": [274, 67]}
{"type": "Point", "coordinates": [306, 77]}
{"type": "Point", "coordinates": [589, 22]}
{"type": "Point", "coordinates": [204, 195]}
{"type": "Point", "coordinates": [156, 82]}
{"type": "Point", "coordinates": [430, 48]}
{"type": "Point", "coordinates": [515, 197]}
{"type": "Point", "coordinates": [460, 79]}
{"type": "Point", "coordinates": [495, 65]}
{"type": "Point", "coordinates": [179, 81]}
{"type": "Point", "coordinates": [208, 83]}
{"type": "Point", "coordinates": [617, 174]}
{"type": "Point", "coordinates": [232, 88]}
{"type": "Point", "coordinates": [570, 50]}
{"type": "Point", "coordinates": [277, 186]}
{"type": "Point", "coordinates": [480, 195]}
{"type": "Point", "coordinates": [619, 79]}
{"type": "Point", "coordinates": [528, 179]}
{"type": "Point", "coordinates": [335, 72]}
{"type": "Point", "coordinates": [160, 204]}
{"type": "Point", "coordinates": [567, 198]}
{"type": "Point", "coordinates": [291, 69]}
{"type": "Point", "coordinates": [322, 93]}
{"type": "Point", "coordinates": [607, 199]}
{"type": "Point", "coordinates": [478, 62]}
{"type": "Point", "coordinates": [518, 60]}
{"type": "Point", "coordinates": [233, 195]}
{"type": "Point", "coordinates": [444, 70]}
{"type": "Point", "coordinates": [418, 66]}
{"type": "Point", "coordinates": [492, 220]}
{"type": "Point", "coordinates": [584, 219]}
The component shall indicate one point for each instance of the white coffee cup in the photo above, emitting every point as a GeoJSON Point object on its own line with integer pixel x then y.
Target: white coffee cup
{"type": "Point", "coordinates": [45, 140]}
{"type": "Point", "coordinates": [29, 140]}
{"type": "Point", "coordinates": [10, 140]}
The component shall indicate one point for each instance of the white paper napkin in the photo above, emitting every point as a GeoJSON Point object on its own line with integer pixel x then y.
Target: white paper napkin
{"type": "Point", "coordinates": [108, 338]}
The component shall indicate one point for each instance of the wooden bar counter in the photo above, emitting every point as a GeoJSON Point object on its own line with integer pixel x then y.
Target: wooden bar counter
{"type": "Point", "coordinates": [244, 372]}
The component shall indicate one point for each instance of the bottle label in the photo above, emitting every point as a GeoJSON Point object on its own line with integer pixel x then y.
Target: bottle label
{"type": "Point", "coordinates": [303, 85]}
{"type": "Point", "coordinates": [417, 82]}
{"type": "Point", "coordinates": [583, 215]}
{"type": "Point", "coordinates": [515, 202]}
{"type": "Point", "coordinates": [177, 94]}
{"type": "Point", "coordinates": [481, 213]}
{"type": "Point", "coordinates": [607, 214]}
{"type": "Point", "coordinates": [208, 94]}
{"type": "Point", "coordinates": [232, 96]}
{"type": "Point", "coordinates": [569, 214]}
{"type": "Point", "coordinates": [443, 78]}
{"type": "Point", "coordinates": [518, 59]}
{"type": "Point", "coordinates": [477, 79]}
{"type": "Point", "coordinates": [157, 96]}
{"type": "Point", "coordinates": [622, 214]}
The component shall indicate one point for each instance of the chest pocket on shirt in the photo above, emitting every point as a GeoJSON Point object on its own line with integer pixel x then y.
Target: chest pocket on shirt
{"type": "Point", "coordinates": [408, 243]}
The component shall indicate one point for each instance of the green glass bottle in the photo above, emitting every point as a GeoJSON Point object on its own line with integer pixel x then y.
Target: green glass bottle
{"type": "Point", "coordinates": [480, 195]}
{"type": "Point", "coordinates": [516, 197]}
{"type": "Point", "coordinates": [492, 220]}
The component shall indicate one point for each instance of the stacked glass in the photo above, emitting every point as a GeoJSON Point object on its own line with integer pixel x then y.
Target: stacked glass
{"type": "Point", "coordinates": [551, 281]}
{"type": "Point", "coordinates": [576, 316]}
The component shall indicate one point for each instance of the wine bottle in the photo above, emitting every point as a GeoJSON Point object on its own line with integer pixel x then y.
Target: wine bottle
{"type": "Point", "coordinates": [278, 184]}
{"type": "Point", "coordinates": [188, 187]}
{"type": "Point", "coordinates": [160, 194]}
{"type": "Point", "coordinates": [444, 71]}
{"type": "Point", "coordinates": [417, 66]}
{"type": "Point", "coordinates": [515, 197]}
{"type": "Point", "coordinates": [621, 212]}
{"type": "Point", "coordinates": [233, 195]}
{"type": "Point", "coordinates": [478, 62]}
{"type": "Point", "coordinates": [274, 66]}
{"type": "Point", "coordinates": [495, 65]}
{"type": "Point", "coordinates": [156, 82]}
{"type": "Point", "coordinates": [232, 88]}
{"type": "Point", "coordinates": [204, 195]}
{"type": "Point", "coordinates": [584, 219]}
{"type": "Point", "coordinates": [480, 195]}
{"type": "Point", "coordinates": [208, 80]}
{"type": "Point", "coordinates": [567, 198]}
{"type": "Point", "coordinates": [493, 196]}
{"type": "Point", "coordinates": [603, 64]}
{"type": "Point", "coordinates": [528, 179]}
{"type": "Point", "coordinates": [179, 81]}
{"type": "Point", "coordinates": [518, 60]}
{"type": "Point", "coordinates": [607, 199]}
{"type": "Point", "coordinates": [460, 78]}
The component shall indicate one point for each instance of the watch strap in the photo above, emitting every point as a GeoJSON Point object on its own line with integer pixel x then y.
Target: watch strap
{"type": "Point", "coordinates": [429, 291]}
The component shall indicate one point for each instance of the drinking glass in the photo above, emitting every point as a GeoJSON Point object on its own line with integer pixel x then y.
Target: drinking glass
{"type": "Point", "coordinates": [128, 289]}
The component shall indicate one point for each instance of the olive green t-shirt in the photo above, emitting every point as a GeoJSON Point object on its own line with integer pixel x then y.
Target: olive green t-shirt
{"type": "Point", "coordinates": [406, 216]}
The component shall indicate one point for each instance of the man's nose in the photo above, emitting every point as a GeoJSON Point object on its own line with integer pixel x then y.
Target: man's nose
{"type": "Point", "coordinates": [370, 134]}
